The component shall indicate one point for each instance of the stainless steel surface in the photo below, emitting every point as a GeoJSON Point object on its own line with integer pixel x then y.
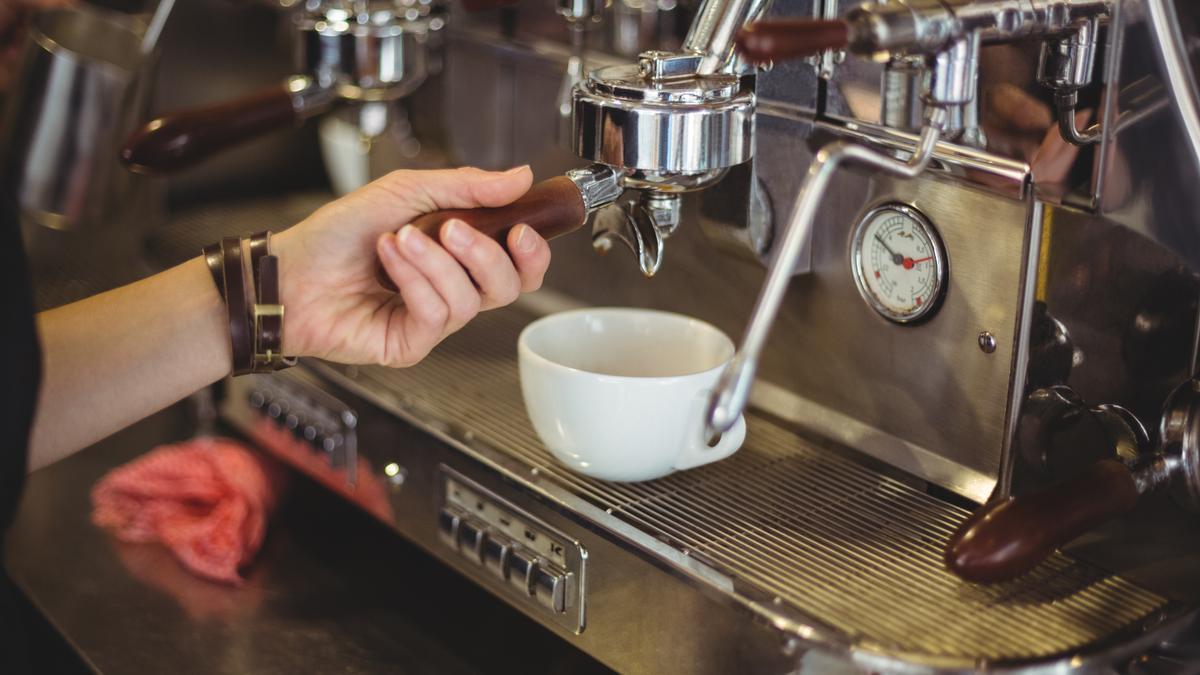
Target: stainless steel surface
{"type": "Point", "coordinates": [541, 563]}
{"type": "Point", "coordinates": [332, 590]}
{"type": "Point", "coordinates": [374, 54]}
{"type": "Point", "coordinates": [929, 27]}
{"type": "Point", "coordinates": [732, 392]}
{"type": "Point", "coordinates": [309, 97]}
{"type": "Point", "coordinates": [671, 126]}
{"type": "Point", "coordinates": [84, 85]}
{"type": "Point", "coordinates": [790, 529]}
{"type": "Point", "coordinates": [1153, 164]}
{"type": "Point", "coordinates": [599, 184]}
{"type": "Point", "coordinates": [713, 29]}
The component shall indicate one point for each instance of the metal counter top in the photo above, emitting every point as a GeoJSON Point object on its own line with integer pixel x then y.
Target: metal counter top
{"type": "Point", "coordinates": [331, 591]}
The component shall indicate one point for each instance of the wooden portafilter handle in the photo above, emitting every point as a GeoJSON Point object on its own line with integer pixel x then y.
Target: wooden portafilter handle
{"type": "Point", "coordinates": [1007, 538]}
{"type": "Point", "coordinates": [782, 39]}
{"type": "Point", "coordinates": [182, 139]}
{"type": "Point", "coordinates": [553, 207]}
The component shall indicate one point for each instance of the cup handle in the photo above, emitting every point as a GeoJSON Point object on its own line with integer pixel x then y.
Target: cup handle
{"type": "Point", "coordinates": [700, 453]}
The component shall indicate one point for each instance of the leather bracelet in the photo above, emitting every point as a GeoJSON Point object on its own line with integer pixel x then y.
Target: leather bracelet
{"type": "Point", "coordinates": [236, 301]}
{"type": "Point", "coordinates": [268, 320]}
{"type": "Point", "coordinates": [216, 267]}
{"type": "Point", "coordinates": [260, 246]}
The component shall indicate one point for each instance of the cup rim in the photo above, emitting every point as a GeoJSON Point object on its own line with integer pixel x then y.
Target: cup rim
{"type": "Point", "coordinates": [527, 352]}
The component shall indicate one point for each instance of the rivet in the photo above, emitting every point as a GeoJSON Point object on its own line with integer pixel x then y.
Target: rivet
{"type": "Point", "coordinates": [987, 342]}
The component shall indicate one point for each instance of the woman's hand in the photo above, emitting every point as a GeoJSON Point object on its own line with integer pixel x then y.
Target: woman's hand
{"type": "Point", "coordinates": [336, 308]}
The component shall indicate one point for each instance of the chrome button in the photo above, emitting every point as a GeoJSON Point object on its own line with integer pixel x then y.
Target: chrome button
{"type": "Point", "coordinates": [549, 588]}
{"type": "Point", "coordinates": [448, 528]}
{"type": "Point", "coordinates": [470, 540]}
{"type": "Point", "coordinates": [495, 556]}
{"type": "Point", "coordinates": [520, 567]}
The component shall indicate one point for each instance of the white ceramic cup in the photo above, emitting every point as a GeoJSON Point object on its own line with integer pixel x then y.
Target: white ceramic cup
{"type": "Point", "coordinates": [620, 393]}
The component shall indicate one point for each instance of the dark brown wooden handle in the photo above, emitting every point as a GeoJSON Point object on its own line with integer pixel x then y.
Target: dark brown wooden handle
{"type": "Point", "coordinates": [1007, 538]}
{"type": "Point", "coordinates": [553, 207]}
{"type": "Point", "coordinates": [181, 139]}
{"type": "Point", "coordinates": [783, 39]}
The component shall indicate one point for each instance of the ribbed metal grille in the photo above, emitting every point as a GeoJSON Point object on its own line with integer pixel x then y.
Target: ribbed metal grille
{"type": "Point", "coordinates": [837, 541]}
{"type": "Point", "coordinates": [190, 230]}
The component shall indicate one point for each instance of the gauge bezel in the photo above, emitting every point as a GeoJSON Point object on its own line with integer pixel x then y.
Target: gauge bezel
{"type": "Point", "coordinates": [857, 263]}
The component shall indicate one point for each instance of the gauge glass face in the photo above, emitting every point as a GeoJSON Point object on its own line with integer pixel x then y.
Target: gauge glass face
{"type": "Point", "coordinates": [899, 264]}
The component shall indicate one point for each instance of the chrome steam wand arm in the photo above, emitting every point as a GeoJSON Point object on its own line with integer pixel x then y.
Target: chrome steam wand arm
{"type": "Point", "coordinates": [729, 398]}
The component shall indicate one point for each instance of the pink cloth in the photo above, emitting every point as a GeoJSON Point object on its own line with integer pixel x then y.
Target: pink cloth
{"type": "Point", "coordinates": [207, 500]}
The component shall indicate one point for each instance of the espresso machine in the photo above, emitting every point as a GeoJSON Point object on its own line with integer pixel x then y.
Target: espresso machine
{"type": "Point", "coordinates": [959, 241]}
{"type": "Point", "coordinates": [356, 59]}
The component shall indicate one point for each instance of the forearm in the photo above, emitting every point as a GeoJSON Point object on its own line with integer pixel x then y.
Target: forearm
{"type": "Point", "coordinates": [113, 359]}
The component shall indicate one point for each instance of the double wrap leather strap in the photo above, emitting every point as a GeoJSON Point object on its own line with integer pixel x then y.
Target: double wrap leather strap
{"type": "Point", "coordinates": [236, 302]}
{"type": "Point", "coordinates": [268, 320]}
{"type": "Point", "coordinates": [268, 313]}
{"type": "Point", "coordinates": [260, 245]}
{"type": "Point", "coordinates": [216, 266]}
{"type": "Point", "coordinates": [255, 314]}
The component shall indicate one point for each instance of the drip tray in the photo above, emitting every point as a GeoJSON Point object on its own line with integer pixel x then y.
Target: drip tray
{"type": "Point", "coordinates": [809, 531]}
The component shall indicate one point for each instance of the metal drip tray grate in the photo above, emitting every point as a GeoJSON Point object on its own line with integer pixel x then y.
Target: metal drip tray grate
{"type": "Point", "coordinates": [833, 540]}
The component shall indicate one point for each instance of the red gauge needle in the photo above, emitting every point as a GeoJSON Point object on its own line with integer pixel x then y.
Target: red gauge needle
{"type": "Point", "coordinates": [909, 263]}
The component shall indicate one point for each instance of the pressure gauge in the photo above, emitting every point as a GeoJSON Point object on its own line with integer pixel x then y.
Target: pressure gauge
{"type": "Point", "coordinates": [899, 263]}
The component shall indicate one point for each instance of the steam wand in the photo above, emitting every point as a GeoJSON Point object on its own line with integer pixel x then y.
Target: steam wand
{"type": "Point", "coordinates": [733, 389]}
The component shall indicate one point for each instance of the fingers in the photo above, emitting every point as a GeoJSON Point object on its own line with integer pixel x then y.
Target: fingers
{"type": "Point", "coordinates": [489, 265]}
{"type": "Point", "coordinates": [425, 313]}
{"type": "Point", "coordinates": [531, 254]}
{"type": "Point", "coordinates": [426, 191]}
{"type": "Point", "coordinates": [443, 272]}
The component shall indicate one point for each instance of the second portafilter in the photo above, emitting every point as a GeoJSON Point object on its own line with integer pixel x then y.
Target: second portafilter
{"type": "Point", "coordinates": [365, 53]}
{"type": "Point", "coordinates": [1009, 537]}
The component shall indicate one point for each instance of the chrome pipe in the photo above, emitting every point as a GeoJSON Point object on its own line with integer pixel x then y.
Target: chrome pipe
{"type": "Point", "coordinates": [729, 398]}
{"type": "Point", "coordinates": [714, 28]}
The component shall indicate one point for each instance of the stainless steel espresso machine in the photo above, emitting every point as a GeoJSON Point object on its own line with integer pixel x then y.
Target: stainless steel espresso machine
{"type": "Point", "coordinates": [969, 234]}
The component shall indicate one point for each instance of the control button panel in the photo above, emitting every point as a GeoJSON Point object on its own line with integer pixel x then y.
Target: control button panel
{"type": "Point", "coordinates": [315, 422]}
{"type": "Point", "coordinates": [524, 556]}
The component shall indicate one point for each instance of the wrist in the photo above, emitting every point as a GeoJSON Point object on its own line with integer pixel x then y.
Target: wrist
{"type": "Point", "coordinates": [283, 246]}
